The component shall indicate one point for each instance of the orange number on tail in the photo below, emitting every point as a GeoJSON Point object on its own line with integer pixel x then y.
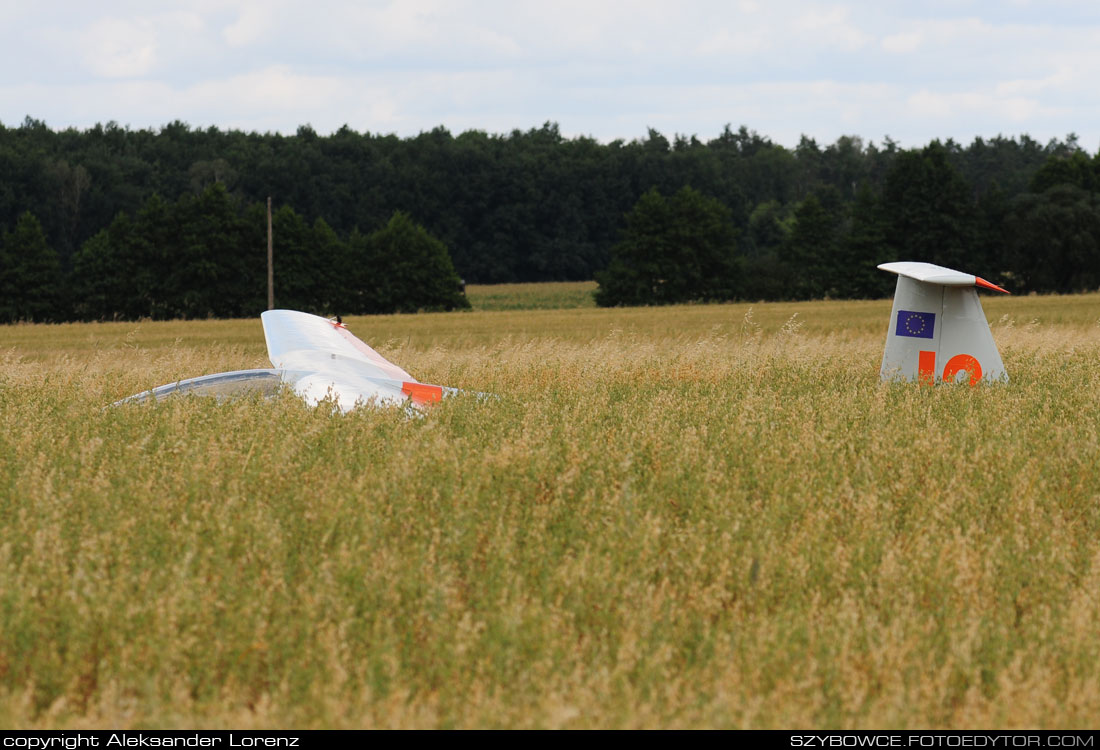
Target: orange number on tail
{"type": "Point", "coordinates": [926, 368]}
{"type": "Point", "coordinates": [959, 363]}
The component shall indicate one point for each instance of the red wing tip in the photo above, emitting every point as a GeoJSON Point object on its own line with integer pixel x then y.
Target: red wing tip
{"type": "Point", "coordinates": [422, 393]}
{"type": "Point", "coordinates": [986, 285]}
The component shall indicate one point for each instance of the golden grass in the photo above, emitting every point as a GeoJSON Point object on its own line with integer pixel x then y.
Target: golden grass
{"type": "Point", "coordinates": [689, 516]}
{"type": "Point", "coordinates": [554, 295]}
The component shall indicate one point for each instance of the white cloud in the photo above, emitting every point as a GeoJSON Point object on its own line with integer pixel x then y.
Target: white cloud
{"type": "Point", "coordinates": [271, 89]}
{"type": "Point", "coordinates": [831, 25]}
{"type": "Point", "coordinates": [724, 42]}
{"type": "Point", "coordinates": [1012, 109]}
{"type": "Point", "coordinates": [253, 21]}
{"type": "Point", "coordinates": [926, 103]}
{"type": "Point", "coordinates": [917, 71]}
{"type": "Point", "coordinates": [903, 43]}
{"type": "Point", "coordinates": [118, 48]}
{"type": "Point", "coordinates": [1060, 79]}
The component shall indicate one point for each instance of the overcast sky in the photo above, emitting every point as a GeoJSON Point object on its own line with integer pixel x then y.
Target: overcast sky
{"type": "Point", "coordinates": [911, 70]}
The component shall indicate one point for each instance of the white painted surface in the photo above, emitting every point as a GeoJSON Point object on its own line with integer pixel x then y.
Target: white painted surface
{"type": "Point", "coordinates": [960, 326]}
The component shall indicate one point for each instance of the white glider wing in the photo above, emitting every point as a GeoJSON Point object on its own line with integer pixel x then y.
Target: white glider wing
{"type": "Point", "coordinates": [298, 341]}
{"type": "Point", "coordinates": [938, 332]}
{"type": "Point", "coordinates": [318, 359]}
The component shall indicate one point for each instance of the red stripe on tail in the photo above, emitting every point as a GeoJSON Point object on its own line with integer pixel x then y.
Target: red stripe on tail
{"type": "Point", "coordinates": [986, 285]}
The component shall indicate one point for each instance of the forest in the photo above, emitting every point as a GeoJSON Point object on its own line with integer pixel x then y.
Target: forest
{"type": "Point", "coordinates": [113, 222]}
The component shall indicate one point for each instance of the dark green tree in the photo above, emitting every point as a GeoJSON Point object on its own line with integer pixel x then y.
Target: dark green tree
{"type": "Point", "coordinates": [929, 209]}
{"type": "Point", "coordinates": [1054, 241]}
{"type": "Point", "coordinates": [768, 228]}
{"type": "Point", "coordinates": [147, 252]}
{"type": "Point", "coordinates": [332, 292]}
{"type": "Point", "coordinates": [810, 251]}
{"type": "Point", "coordinates": [991, 246]}
{"type": "Point", "coordinates": [808, 155]}
{"type": "Point", "coordinates": [197, 257]}
{"type": "Point", "coordinates": [529, 205]}
{"type": "Point", "coordinates": [30, 274]}
{"type": "Point", "coordinates": [402, 268]}
{"type": "Point", "coordinates": [312, 265]}
{"type": "Point", "coordinates": [862, 248]}
{"type": "Point", "coordinates": [763, 275]}
{"type": "Point", "coordinates": [100, 282]}
{"type": "Point", "coordinates": [676, 249]}
{"type": "Point", "coordinates": [1076, 169]}
{"type": "Point", "coordinates": [297, 274]}
{"type": "Point", "coordinates": [208, 270]}
{"type": "Point", "coordinates": [845, 165]}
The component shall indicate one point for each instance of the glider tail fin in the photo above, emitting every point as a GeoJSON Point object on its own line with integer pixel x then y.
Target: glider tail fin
{"type": "Point", "coordinates": [938, 332]}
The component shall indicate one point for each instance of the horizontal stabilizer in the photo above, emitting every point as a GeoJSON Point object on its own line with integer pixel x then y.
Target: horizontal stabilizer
{"type": "Point", "coordinates": [930, 273]}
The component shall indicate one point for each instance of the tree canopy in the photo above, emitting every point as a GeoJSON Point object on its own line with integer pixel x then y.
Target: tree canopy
{"type": "Point", "coordinates": [203, 256]}
{"type": "Point", "coordinates": [676, 249]}
{"type": "Point", "coordinates": [29, 274]}
{"type": "Point", "coordinates": [170, 222]}
{"type": "Point", "coordinates": [403, 268]}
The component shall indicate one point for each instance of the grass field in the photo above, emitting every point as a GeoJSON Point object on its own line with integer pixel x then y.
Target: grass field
{"type": "Point", "coordinates": [561, 295]}
{"type": "Point", "coordinates": [708, 516]}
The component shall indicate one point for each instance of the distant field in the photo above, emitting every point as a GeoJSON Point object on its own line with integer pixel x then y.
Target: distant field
{"type": "Point", "coordinates": [704, 516]}
{"type": "Point", "coordinates": [561, 295]}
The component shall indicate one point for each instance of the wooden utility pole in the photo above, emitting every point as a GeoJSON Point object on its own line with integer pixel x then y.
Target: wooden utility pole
{"type": "Point", "coordinates": [270, 267]}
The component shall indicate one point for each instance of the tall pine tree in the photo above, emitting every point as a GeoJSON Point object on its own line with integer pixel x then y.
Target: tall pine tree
{"type": "Point", "coordinates": [678, 249]}
{"type": "Point", "coordinates": [929, 210]}
{"type": "Point", "coordinates": [30, 274]}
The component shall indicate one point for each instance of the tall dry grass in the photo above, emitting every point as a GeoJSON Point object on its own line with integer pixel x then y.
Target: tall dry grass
{"type": "Point", "coordinates": [694, 516]}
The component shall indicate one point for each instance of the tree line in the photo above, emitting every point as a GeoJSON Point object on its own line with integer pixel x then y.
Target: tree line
{"type": "Point", "coordinates": [531, 205]}
{"type": "Point", "coordinates": [184, 259]}
{"type": "Point", "coordinates": [684, 247]}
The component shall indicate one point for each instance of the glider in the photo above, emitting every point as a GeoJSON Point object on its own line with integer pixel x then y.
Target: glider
{"type": "Point", "coordinates": [318, 359]}
{"type": "Point", "coordinates": [938, 332]}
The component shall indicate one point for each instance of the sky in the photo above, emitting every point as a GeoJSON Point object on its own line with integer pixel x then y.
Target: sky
{"type": "Point", "coordinates": [913, 71]}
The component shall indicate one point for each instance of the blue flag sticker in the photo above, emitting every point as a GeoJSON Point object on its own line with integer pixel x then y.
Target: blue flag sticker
{"type": "Point", "coordinates": [917, 325]}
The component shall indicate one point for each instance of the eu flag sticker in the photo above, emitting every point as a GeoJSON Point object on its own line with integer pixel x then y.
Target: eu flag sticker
{"type": "Point", "coordinates": [917, 325]}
